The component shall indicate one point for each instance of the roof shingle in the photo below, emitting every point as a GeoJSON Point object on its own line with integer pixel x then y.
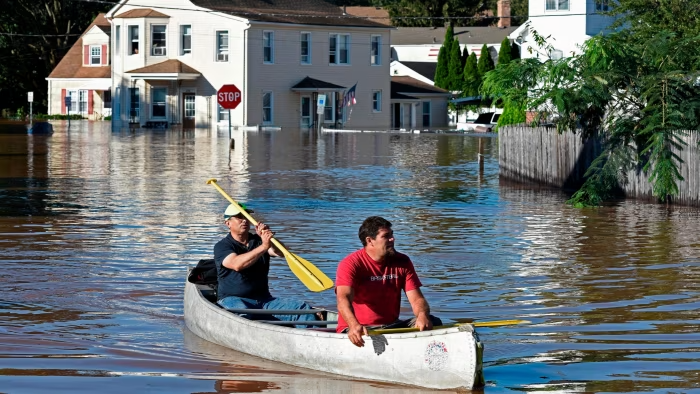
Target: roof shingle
{"type": "Point", "coordinates": [436, 35]}
{"type": "Point", "coordinates": [171, 66]}
{"type": "Point", "coordinates": [305, 12]}
{"type": "Point", "coordinates": [142, 13]}
{"type": "Point", "coordinates": [408, 85]}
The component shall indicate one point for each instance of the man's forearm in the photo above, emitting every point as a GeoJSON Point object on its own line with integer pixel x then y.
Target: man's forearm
{"type": "Point", "coordinates": [421, 307]}
{"type": "Point", "coordinates": [242, 261]}
{"type": "Point", "coordinates": [348, 314]}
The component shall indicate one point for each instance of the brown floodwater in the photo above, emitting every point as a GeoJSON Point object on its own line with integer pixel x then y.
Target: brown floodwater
{"type": "Point", "coordinates": [97, 228]}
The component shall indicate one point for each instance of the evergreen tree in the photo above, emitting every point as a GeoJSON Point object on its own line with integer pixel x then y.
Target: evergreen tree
{"type": "Point", "coordinates": [485, 63]}
{"type": "Point", "coordinates": [472, 79]}
{"type": "Point", "coordinates": [442, 71]}
{"type": "Point", "coordinates": [504, 56]}
{"type": "Point", "coordinates": [455, 68]}
{"type": "Point", "coordinates": [449, 37]}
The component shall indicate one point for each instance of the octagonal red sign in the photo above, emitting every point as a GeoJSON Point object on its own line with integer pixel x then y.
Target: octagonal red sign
{"type": "Point", "coordinates": [229, 96]}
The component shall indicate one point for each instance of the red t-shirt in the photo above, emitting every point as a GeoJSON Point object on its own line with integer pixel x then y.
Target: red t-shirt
{"type": "Point", "coordinates": [377, 287]}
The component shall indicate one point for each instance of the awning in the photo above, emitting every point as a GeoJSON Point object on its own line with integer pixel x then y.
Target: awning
{"type": "Point", "coordinates": [171, 70]}
{"type": "Point", "coordinates": [309, 84]}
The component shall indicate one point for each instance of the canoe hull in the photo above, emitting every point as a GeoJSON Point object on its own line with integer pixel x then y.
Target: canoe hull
{"type": "Point", "coordinates": [440, 359]}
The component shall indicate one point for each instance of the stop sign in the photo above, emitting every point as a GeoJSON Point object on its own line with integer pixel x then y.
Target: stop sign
{"type": "Point", "coordinates": [229, 96]}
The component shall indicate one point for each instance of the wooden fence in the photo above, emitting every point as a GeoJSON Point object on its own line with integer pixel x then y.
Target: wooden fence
{"type": "Point", "coordinates": [541, 155]}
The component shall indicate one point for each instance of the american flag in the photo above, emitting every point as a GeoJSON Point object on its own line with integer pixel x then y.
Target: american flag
{"type": "Point", "coordinates": [349, 97]}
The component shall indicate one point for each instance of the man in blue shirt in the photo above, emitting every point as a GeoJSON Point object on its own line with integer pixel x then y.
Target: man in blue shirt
{"type": "Point", "coordinates": [243, 263]}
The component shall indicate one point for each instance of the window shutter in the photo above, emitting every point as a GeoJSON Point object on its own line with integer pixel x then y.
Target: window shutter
{"type": "Point", "coordinates": [89, 94]}
{"type": "Point", "coordinates": [104, 55]}
{"type": "Point", "coordinates": [63, 101]}
{"type": "Point", "coordinates": [86, 55]}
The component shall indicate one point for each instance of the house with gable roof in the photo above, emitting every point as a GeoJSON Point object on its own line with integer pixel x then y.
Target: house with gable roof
{"type": "Point", "coordinates": [84, 75]}
{"type": "Point", "coordinates": [170, 59]}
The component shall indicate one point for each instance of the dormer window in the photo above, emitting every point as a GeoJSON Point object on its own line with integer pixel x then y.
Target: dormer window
{"type": "Point", "coordinates": [556, 5]}
{"type": "Point", "coordinates": [95, 55]}
{"type": "Point", "coordinates": [158, 40]}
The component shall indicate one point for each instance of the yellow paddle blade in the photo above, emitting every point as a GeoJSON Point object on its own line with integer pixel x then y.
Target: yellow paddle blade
{"type": "Point", "coordinates": [494, 323]}
{"type": "Point", "coordinates": [309, 274]}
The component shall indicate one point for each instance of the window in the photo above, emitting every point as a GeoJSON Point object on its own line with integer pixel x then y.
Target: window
{"type": "Point", "coordinates": [83, 101]}
{"type": "Point", "coordinates": [134, 107]}
{"type": "Point", "coordinates": [267, 108]}
{"type": "Point", "coordinates": [602, 5]}
{"type": "Point", "coordinates": [186, 39]}
{"type": "Point", "coordinates": [426, 113]}
{"type": "Point", "coordinates": [339, 49]}
{"type": "Point", "coordinates": [158, 102]}
{"type": "Point", "coordinates": [268, 47]}
{"type": "Point", "coordinates": [117, 39]}
{"type": "Point", "coordinates": [158, 40]}
{"type": "Point", "coordinates": [221, 46]}
{"type": "Point", "coordinates": [133, 40]}
{"type": "Point", "coordinates": [95, 55]}
{"type": "Point", "coordinates": [375, 50]}
{"type": "Point", "coordinates": [556, 5]}
{"type": "Point", "coordinates": [377, 101]}
{"type": "Point", "coordinates": [329, 109]}
{"type": "Point", "coordinates": [223, 114]}
{"type": "Point", "coordinates": [305, 48]}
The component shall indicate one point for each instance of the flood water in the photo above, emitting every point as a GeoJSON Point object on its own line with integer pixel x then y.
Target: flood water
{"type": "Point", "coordinates": [97, 228]}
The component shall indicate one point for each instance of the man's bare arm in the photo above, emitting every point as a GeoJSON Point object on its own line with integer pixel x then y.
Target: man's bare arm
{"type": "Point", "coordinates": [344, 296]}
{"type": "Point", "coordinates": [421, 309]}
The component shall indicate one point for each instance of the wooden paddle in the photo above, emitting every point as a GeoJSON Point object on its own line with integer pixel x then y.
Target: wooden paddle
{"type": "Point", "coordinates": [312, 277]}
{"type": "Point", "coordinates": [494, 323]}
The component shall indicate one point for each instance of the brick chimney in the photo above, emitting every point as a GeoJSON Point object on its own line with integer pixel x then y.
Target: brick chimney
{"type": "Point", "coordinates": [503, 9]}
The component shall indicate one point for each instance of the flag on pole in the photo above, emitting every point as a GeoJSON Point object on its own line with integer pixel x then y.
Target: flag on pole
{"type": "Point", "coordinates": [349, 97]}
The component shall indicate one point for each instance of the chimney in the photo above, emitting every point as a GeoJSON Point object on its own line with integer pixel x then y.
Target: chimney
{"type": "Point", "coordinates": [503, 9]}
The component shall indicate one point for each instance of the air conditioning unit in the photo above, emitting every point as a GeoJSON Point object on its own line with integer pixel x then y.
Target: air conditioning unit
{"type": "Point", "coordinates": [222, 57]}
{"type": "Point", "coordinates": [158, 51]}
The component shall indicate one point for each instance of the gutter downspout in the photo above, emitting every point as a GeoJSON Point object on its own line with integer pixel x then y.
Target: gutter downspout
{"type": "Point", "coordinates": [245, 75]}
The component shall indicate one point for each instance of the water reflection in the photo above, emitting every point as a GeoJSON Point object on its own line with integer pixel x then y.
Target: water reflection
{"type": "Point", "coordinates": [98, 226]}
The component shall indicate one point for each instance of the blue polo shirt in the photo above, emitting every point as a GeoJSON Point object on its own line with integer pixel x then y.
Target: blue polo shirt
{"type": "Point", "coordinates": [251, 282]}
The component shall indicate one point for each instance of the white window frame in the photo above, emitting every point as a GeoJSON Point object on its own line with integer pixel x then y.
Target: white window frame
{"type": "Point", "coordinates": [330, 103]}
{"type": "Point", "coordinates": [164, 102]}
{"type": "Point", "coordinates": [221, 52]}
{"type": "Point", "coordinates": [307, 35]}
{"type": "Point", "coordinates": [269, 38]}
{"type": "Point", "coordinates": [159, 50]}
{"type": "Point", "coordinates": [335, 37]}
{"type": "Point", "coordinates": [271, 119]}
{"type": "Point", "coordinates": [92, 48]}
{"type": "Point", "coordinates": [375, 59]}
{"type": "Point", "coordinates": [136, 107]}
{"type": "Point", "coordinates": [376, 101]}
{"type": "Point", "coordinates": [556, 5]}
{"type": "Point", "coordinates": [132, 50]}
{"type": "Point", "coordinates": [117, 39]}
{"type": "Point", "coordinates": [185, 51]}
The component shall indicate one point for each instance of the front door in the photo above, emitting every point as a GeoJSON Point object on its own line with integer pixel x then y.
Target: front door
{"type": "Point", "coordinates": [306, 111]}
{"type": "Point", "coordinates": [188, 111]}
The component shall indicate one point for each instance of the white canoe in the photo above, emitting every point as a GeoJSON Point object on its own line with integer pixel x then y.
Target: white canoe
{"type": "Point", "coordinates": [448, 358]}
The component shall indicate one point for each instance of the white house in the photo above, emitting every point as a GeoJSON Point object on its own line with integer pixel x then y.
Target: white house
{"type": "Point", "coordinates": [170, 59]}
{"type": "Point", "coordinates": [416, 105]}
{"type": "Point", "coordinates": [84, 75]}
{"type": "Point", "coordinates": [565, 23]}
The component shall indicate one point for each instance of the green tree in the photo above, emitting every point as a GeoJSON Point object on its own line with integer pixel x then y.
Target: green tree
{"type": "Point", "coordinates": [46, 30]}
{"type": "Point", "coordinates": [408, 12]}
{"type": "Point", "coordinates": [455, 67]}
{"type": "Point", "coordinates": [442, 71]}
{"type": "Point", "coordinates": [465, 55]}
{"type": "Point", "coordinates": [472, 78]}
{"type": "Point", "coordinates": [504, 54]}
{"type": "Point", "coordinates": [485, 63]}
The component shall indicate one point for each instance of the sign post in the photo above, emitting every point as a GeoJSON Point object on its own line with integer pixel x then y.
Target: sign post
{"type": "Point", "coordinates": [66, 101]}
{"type": "Point", "coordinates": [30, 98]}
{"type": "Point", "coordinates": [320, 108]}
{"type": "Point", "coordinates": [228, 97]}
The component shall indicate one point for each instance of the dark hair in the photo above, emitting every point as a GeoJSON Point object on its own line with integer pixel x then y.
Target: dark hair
{"type": "Point", "coordinates": [371, 226]}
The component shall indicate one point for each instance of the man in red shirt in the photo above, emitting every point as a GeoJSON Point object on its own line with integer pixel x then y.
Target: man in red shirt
{"type": "Point", "coordinates": [369, 282]}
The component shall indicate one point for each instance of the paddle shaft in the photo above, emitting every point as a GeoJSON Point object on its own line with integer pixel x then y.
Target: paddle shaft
{"type": "Point", "coordinates": [275, 242]}
{"type": "Point", "coordinates": [494, 323]}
